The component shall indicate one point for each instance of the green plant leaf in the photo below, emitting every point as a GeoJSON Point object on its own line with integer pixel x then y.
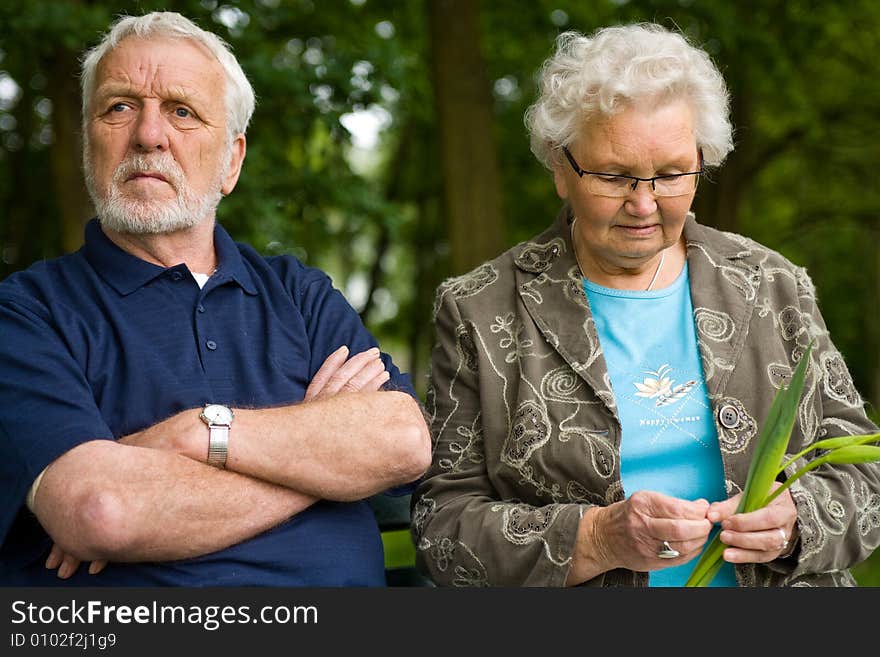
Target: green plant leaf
{"type": "Point", "coordinates": [773, 438]}
{"type": "Point", "coordinates": [832, 443]}
{"type": "Point", "coordinates": [771, 444]}
{"type": "Point", "coordinates": [839, 456]}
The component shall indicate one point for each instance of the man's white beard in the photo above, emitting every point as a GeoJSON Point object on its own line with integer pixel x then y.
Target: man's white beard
{"type": "Point", "coordinates": [145, 216]}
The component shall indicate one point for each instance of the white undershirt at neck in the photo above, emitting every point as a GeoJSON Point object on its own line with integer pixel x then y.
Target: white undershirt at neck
{"type": "Point", "coordinates": [201, 279]}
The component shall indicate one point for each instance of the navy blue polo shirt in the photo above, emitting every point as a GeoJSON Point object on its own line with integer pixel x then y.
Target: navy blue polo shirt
{"type": "Point", "coordinates": [100, 344]}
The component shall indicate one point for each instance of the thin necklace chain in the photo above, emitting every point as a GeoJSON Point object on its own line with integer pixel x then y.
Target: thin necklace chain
{"type": "Point", "coordinates": [657, 271]}
{"type": "Point", "coordinates": [653, 278]}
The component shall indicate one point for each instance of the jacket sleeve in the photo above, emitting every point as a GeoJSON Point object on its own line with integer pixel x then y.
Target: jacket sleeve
{"type": "Point", "coordinates": [838, 505]}
{"type": "Point", "coordinates": [465, 534]}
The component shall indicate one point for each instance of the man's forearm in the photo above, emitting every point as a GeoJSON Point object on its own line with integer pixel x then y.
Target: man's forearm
{"type": "Point", "coordinates": [105, 500]}
{"type": "Point", "coordinates": [344, 447]}
{"type": "Point", "coordinates": [347, 447]}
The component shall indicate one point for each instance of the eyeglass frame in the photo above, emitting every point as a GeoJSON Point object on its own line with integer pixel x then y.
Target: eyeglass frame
{"type": "Point", "coordinates": [636, 180]}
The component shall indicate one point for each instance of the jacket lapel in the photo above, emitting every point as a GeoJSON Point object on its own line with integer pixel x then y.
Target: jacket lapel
{"type": "Point", "coordinates": [724, 282]}
{"type": "Point", "coordinates": [549, 285]}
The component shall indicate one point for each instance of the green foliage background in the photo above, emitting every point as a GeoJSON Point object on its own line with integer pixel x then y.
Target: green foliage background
{"type": "Point", "coordinates": [806, 106]}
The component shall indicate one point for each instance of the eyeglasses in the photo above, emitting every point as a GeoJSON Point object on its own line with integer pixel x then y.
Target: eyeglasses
{"type": "Point", "coordinates": [618, 185]}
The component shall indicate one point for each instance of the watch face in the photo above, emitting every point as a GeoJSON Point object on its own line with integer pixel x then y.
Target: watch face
{"type": "Point", "coordinates": [217, 414]}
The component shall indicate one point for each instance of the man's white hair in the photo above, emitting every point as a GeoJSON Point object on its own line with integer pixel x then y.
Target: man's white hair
{"type": "Point", "coordinates": [615, 67]}
{"type": "Point", "coordinates": [239, 92]}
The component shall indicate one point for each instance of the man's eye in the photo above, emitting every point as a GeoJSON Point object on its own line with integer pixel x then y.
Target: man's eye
{"type": "Point", "coordinates": [182, 112]}
{"type": "Point", "coordinates": [118, 107]}
{"type": "Point", "coordinates": [614, 180]}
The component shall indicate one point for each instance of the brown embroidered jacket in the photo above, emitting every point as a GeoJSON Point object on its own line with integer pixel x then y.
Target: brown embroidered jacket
{"type": "Point", "coordinates": [526, 434]}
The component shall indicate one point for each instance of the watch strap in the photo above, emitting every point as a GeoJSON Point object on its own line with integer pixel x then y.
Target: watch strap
{"type": "Point", "coordinates": [218, 443]}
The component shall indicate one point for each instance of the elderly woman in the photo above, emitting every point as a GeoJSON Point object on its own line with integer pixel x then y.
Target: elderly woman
{"type": "Point", "coordinates": [596, 391]}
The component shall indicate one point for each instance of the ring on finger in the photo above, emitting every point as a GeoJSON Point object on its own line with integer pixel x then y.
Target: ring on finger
{"type": "Point", "coordinates": [666, 551]}
{"type": "Point", "coordinates": [784, 539]}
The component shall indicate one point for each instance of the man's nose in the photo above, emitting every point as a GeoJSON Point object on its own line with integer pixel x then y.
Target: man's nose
{"type": "Point", "coordinates": [151, 130]}
{"type": "Point", "coordinates": [641, 201]}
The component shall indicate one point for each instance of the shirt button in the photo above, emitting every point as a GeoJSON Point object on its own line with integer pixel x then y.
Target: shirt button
{"type": "Point", "coordinates": [728, 416]}
{"type": "Point", "coordinates": [200, 308]}
{"type": "Point", "coordinates": [210, 344]}
{"type": "Point", "coordinates": [176, 276]}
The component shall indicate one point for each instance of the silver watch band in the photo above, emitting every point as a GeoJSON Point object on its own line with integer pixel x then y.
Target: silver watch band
{"type": "Point", "coordinates": [218, 443]}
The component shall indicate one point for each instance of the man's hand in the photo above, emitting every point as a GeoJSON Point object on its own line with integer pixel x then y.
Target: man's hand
{"type": "Point", "coordinates": [67, 563]}
{"type": "Point", "coordinates": [363, 371]}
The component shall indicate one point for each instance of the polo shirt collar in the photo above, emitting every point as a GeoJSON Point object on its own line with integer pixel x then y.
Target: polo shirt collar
{"type": "Point", "coordinates": [127, 273]}
{"type": "Point", "coordinates": [230, 264]}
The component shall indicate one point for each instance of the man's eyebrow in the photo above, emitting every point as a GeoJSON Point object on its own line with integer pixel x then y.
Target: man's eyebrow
{"type": "Point", "coordinates": [113, 89]}
{"type": "Point", "coordinates": [186, 96]}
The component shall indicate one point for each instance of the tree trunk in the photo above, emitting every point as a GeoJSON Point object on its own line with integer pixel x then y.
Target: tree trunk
{"type": "Point", "coordinates": [74, 205]}
{"type": "Point", "coordinates": [717, 202]}
{"type": "Point", "coordinates": [471, 180]}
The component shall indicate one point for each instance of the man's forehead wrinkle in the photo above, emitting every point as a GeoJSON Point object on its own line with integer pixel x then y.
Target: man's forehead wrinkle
{"type": "Point", "coordinates": [147, 80]}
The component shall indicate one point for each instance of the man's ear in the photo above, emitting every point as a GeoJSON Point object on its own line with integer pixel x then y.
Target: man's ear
{"type": "Point", "coordinates": [239, 147]}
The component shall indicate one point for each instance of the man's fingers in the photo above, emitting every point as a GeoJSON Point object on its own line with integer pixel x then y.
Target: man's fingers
{"type": "Point", "coordinates": [377, 382]}
{"type": "Point", "coordinates": [56, 555]}
{"type": "Point", "coordinates": [346, 374]}
{"type": "Point", "coordinates": [328, 368]}
{"type": "Point", "coordinates": [97, 566]}
{"type": "Point", "coordinates": [68, 566]}
{"type": "Point", "coordinates": [366, 374]}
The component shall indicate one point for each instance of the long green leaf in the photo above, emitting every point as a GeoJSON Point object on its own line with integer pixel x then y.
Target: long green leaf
{"type": "Point", "coordinates": [775, 439]}
{"type": "Point", "coordinates": [832, 443]}
{"type": "Point", "coordinates": [705, 568]}
{"type": "Point", "coordinates": [771, 444]}
{"type": "Point", "coordinates": [839, 456]}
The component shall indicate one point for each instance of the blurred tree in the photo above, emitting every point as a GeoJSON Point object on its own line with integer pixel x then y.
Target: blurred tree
{"type": "Point", "coordinates": [465, 124]}
{"type": "Point", "coordinates": [381, 128]}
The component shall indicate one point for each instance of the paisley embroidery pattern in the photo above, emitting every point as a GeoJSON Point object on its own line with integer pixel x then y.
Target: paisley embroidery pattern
{"type": "Point", "coordinates": [836, 380]}
{"type": "Point", "coordinates": [538, 257]}
{"type": "Point", "coordinates": [528, 431]}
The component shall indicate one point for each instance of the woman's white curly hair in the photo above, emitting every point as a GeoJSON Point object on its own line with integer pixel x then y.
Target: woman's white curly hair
{"type": "Point", "coordinates": [615, 67]}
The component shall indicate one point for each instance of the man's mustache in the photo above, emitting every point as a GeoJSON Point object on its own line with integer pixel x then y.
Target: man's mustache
{"type": "Point", "coordinates": [162, 166]}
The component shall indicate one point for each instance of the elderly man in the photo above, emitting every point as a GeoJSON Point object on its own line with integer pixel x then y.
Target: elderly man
{"type": "Point", "coordinates": [175, 408]}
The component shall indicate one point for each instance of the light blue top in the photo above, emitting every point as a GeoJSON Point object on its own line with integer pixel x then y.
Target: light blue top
{"type": "Point", "coordinates": [669, 442]}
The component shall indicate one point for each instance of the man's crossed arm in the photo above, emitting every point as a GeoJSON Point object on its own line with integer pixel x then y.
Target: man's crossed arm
{"type": "Point", "coordinates": [150, 496]}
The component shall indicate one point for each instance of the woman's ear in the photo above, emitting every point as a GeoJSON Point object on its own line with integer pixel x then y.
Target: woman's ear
{"type": "Point", "coordinates": [560, 181]}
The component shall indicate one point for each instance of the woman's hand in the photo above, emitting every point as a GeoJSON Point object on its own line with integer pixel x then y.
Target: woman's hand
{"type": "Point", "coordinates": [631, 533]}
{"type": "Point", "coordinates": [760, 536]}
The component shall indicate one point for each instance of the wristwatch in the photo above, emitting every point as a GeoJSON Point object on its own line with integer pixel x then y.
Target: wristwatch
{"type": "Point", "coordinates": [219, 420]}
